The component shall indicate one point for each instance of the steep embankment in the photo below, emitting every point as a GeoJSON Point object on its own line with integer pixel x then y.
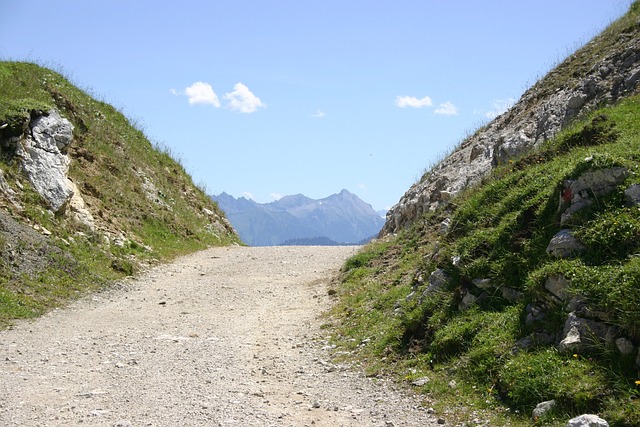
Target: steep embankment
{"type": "Point", "coordinates": [604, 70]}
{"type": "Point", "coordinates": [525, 288]}
{"type": "Point", "coordinates": [85, 197]}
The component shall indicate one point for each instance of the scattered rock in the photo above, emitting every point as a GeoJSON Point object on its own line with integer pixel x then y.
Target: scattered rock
{"type": "Point", "coordinates": [558, 285]}
{"type": "Point", "coordinates": [511, 295]}
{"type": "Point", "coordinates": [632, 194]}
{"type": "Point", "coordinates": [482, 283]}
{"type": "Point", "coordinates": [542, 409]}
{"type": "Point", "coordinates": [587, 420]}
{"type": "Point", "coordinates": [437, 281]}
{"type": "Point", "coordinates": [583, 335]}
{"type": "Point", "coordinates": [444, 226]}
{"type": "Point", "coordinates": [420, 381]}
{"type": "Point", "coordinates": [534, 314]}
{"type": "Point", "coordinates": [467, 302]}
{"type": "Point", "coordinates": [564, 245]}
{"type": "Point", "coordinates": [580, 193]}
{"type": "Point", "coordinates": [624, 346]}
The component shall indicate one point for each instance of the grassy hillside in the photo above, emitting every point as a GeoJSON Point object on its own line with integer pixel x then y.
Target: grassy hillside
{"type": "Point", "coordinates": [47, 258]}
{"type": "Point", "coordinates": [492, 357]}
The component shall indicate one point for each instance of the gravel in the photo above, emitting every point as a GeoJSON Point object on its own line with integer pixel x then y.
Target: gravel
{"type": "Point", "coordinates": [225, 337]}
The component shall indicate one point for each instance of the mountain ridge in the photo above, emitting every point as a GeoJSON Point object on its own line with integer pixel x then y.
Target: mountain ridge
{"type": "Point", "coordinates": [342, 218]}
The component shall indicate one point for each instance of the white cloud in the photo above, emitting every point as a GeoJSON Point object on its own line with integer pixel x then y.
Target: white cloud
{"type": "Point", "coordinates": [319, 114]}
{"type": "Point", "coordinates": [174, 92]}
{"type": "Point", "coordinates": [243, 100]}
{"type": "Point", "coordinates": [446, 109]}
{"type": "Point", "coordinates": [498, 107]}
{"type": "Point", "coordinates": [413, 102]}
{"type": "Point", "coordinates": [202, 93]}
{"type": "Point", "coordinates": [248, 195]}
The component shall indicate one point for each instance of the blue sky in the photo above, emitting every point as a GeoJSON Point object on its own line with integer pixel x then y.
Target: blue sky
{"type": "Point", "coordinates": [265, 98]}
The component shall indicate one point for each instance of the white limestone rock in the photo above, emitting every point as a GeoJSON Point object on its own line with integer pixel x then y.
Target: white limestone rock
{"type": "Point", "coordinates": [44, 160]}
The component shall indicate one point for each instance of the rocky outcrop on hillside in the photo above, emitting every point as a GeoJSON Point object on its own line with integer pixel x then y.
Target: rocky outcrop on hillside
{"type": "Point", "coordinates": [42, 154]}
{"type": "Point", "coordinates": [603, 71]}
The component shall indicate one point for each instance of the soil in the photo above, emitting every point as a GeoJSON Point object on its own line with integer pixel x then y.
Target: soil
{"type": "Point", "coordinates": [225, 337]}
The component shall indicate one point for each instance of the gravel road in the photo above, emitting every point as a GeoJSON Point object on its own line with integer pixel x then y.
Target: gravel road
{"type": "Point", "coordinates": [225, 337]}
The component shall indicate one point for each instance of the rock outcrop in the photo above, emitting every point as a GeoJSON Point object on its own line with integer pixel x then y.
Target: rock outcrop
{"type": "Point", "coordinates": [603, 71]}
{"type": "Point", "coordinates": [43, 158]}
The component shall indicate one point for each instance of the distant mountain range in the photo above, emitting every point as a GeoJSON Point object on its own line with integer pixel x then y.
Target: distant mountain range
{"type": "Point", "coordinates": [341, 218]}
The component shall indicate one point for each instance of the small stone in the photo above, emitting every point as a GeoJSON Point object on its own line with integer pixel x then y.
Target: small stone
{"type": "Point", "coordinates": [543, 408]}
{"type": "Point", "coordinates": [510, 294]}
{"type": "Point", "coordinates": [482, 283]}
{"type": "Point", "coordinates": [420, 381]}
{"type": "Point", "coordinates": [441, 421]}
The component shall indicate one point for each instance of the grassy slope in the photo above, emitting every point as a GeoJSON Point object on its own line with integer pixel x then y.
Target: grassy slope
{"type": "Point", "coordinates": [108, 155]}
{"type": "Point", "coordinates": [500, 231]}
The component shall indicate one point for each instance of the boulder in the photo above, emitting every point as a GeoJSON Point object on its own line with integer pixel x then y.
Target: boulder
{"type": "Point", "coordinates": [587, 420]}
{"type": "Point", "coordinates": [467, 302]}
{"type": "Point", "coordinates": [632, 194]}
{"type": "Point", "coordinates": [579, 193]}
{"type": "Point", "coordinates": [584, 335]}
{"type": "Point", "coordinates": [437, 281]}
{"type": "Point", "coordinates": [558, 286]}
{"type": "Point", "coordinates": [624, 346]}
{"type": "Point", "coordinates": [43, 158]}
{"type": "Point", "coordinates": [564, 245]}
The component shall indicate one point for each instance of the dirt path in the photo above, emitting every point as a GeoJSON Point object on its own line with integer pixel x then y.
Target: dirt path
{"type": "Point", "coordinates": [225, 337]}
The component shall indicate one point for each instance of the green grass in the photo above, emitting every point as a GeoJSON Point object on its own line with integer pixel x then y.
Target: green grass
{"type": "Point", "coordinates": [110, 161]}
{"type": "Point", "coordinates": [500, 231]}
